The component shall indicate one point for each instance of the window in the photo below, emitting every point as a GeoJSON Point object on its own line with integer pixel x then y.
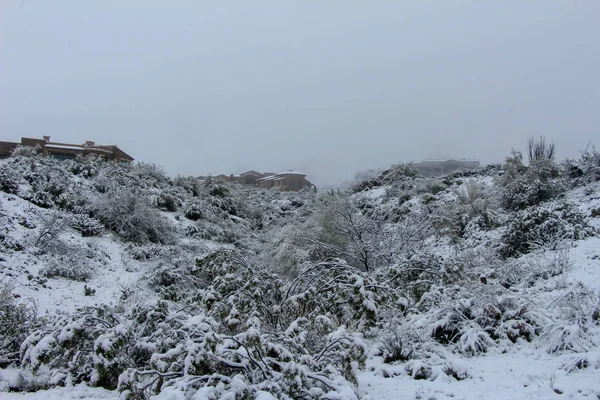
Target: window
{"type": "Point", "coordinates": [63, 156]}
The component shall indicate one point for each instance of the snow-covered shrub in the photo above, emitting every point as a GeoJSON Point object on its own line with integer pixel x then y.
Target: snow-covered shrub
{"type": "Point", "coordinates": [398, 173]}
{"type": "Point", "coordinates": [546, 226]}
{"type": "Point", "coordinates": [9, 179]}
{"type": "Point", "coordinates": [417, 273]}
{"type": "Point", "coordinates": [524, 186]}
{"type": "Point", "coordinates": [151, 349]}
{"type": "Point", "coordinates": [40, 199]}
{"type": "Point", "coordinates": [68, 267]}
{"type": "Point", "coordinates": [589, 163]}
{"type": "Point", "coordinates": [26, 151]}
{"type": "Point", "coordinates": [130, 215]}
{"type": "Point", "coordinates": [149, 172]}
{"type": "Point", "coordinates": [212, 365]}
{"type": "Point", "coordinates": [65, 348]}
{"type": "Point", "coordinates": [475, 207]}
{"type": "Point", "coordinates": [194, 211]}
{"type": "Point", "coordinates": [575, 323]}
{"type": "Point", "coordinates": [397, 343]}
{"type": "Point", "coordinates": [86, 225]}
{"type": "Point", "coordinates": [167, 202]}
{"type": "Point", "coordinates": [431, 186]}
{"type": "Point", "coordinates": [16, 318]}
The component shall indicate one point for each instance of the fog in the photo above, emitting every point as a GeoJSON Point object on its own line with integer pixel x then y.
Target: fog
{"type": "Point", "coordinates": [328, 87]}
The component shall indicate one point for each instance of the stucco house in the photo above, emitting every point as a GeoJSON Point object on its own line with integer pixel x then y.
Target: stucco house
{"type": "Point", "coordinates": [66, 151]}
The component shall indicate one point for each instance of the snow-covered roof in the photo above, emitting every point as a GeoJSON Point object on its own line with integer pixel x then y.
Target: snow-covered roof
{"type": "Point", "coordinates": [100, 150]}
{"type": "Point", "coordinates": [271, 178]}
{"type": "Point", "coordinates": [291, 172]}
{"type": "Point", "coordinates": [65, 147]}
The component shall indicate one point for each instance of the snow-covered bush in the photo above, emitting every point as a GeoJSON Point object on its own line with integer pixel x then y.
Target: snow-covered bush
{"type": "Point", "coordinates": [151, 349]}
{"type": "Point", "coordinates": [524, 186]}
{"type": "Point", "coordinates": [194, 211]}
{"type": "Point", "coordinates": [40, 199]}
{"type": "Point", "coordinates": [9, 179]}
{"type": "Point", "coordinates": [16, 318]}
{"type": "Point", "coordinates": [130, 215]}
{"type": "Point", "coordinates": [546, 226]}
{"type": "Point", "coordinates": [68, 267]}
{"type": "Point", "coordinates": [212, 365]}
{"type": "Point", "coordinates": [397, 343]}
{"type": "Point", "coordinates": [577, 316]}
{"type": "Point", "coordinates": [26, 151]}
{"type": "Point", "coordinates": [86, 225]}
{"type": "Point", "coordinates": [475, 207]}
{"type": "Point", "coordinates": [586, 169]}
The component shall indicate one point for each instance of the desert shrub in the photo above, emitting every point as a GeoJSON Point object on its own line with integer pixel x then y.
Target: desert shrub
{"type": "Point", "coordinates": [151, 349]}
{"type": "Point", "coordinates": [212, 365]}
{"type": "Point", "coordinates": [586, 169]}
{"type": "Point", "coordinates": [16, 318]}
{"type": "Point", "coordinates": [68, 267]}
{"type": "Point", "coordinates": [130, 215]}
{"type": "Point", "coordinates": [167, 202]}
{"type": "Point", "coordinates": [398, 173]}
{"type": "Point", "coordinates": [65, 347]}
{"type": "Point", "coordinates": [524, 186]}
{"type": "Point", "coordinates": [150, 172]}
{"type": "Point", "coordinates": [431, 186]}
{"type": "Point", "coordinates": [547, 227]}
{"type": "Point", "coordinates": [194, 211]}
{"type": "Point", "coordinates": [86, 225]}
{"type": "Point", "coordinates": [26, 151]}
{"type": "Point", "coordinates": [9, 179]}
{"type": "Point", "coordinates": [397, 344]}
{"type": "Point", "coordinates": [575, 322]}
{"type": "Point", "coordinates": [40, 199]}
{"type": "Point", "coordinates": [218, 191]}
{"type": "Point", "coordinates": [539, 150]}
{"type": "Point", "coordinates": [475, 207]}
{"type": "Point", "coordinates": [417, 273]}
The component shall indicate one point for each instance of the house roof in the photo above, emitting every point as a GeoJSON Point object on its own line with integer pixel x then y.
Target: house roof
{"type": "Point", "coordinates": [290, 172]}
{"type": "Point", "coordinates": [252, 172]}
{"type": "Point", "coordinates": [271, 178]}
{"type": "Point", "coordinates": [62, 146]}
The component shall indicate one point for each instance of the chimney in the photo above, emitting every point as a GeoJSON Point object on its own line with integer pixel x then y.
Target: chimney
{"type": "Point", "coordinates": [46, 138]}
{"type": "Point", "coordinates": [89, 143]}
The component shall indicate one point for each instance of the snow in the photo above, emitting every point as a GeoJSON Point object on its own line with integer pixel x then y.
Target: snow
{"type": "Point", "coordinates": [79, 392]}
{"type": "Point", "coordinates": [61, 146]}
{"type": "Point", "coordinates": [519, 374]}
{"type": "Point", "coordinates": [520, 371]}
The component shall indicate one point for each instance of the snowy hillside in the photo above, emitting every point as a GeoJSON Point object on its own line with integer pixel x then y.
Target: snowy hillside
{"type": "Point", "coordinates": [124, 283]}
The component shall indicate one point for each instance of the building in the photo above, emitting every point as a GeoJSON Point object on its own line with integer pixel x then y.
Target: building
{"type": "Point", "coordinates": [444, 166]}
{"type": "Point", "coordinates": [67, 151]}
{"type": "Point", "coordinates": [289, 180]}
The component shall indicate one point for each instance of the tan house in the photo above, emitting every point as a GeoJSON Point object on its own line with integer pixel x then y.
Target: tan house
{"type": "Point", "coordinates": [290, 180]}
{"type": "Point", "coordinates": [67, 151]}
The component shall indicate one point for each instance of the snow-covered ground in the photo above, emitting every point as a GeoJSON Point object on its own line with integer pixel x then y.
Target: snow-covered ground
{"type": "Point", "coordinates": [523, 370]}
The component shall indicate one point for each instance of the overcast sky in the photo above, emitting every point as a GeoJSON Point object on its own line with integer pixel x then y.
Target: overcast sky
{"type": "Point", "coordinates": [325, 87]}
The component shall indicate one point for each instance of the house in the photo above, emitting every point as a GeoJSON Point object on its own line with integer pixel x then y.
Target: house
{"type": "Point", "coordinates": [289, 180]}
{"type": "Point", "coordinates": [444, 166]}
{"type": "Point", "coordinates": [250, 177]}
{"type": "Point", "coordinates": [67, 151]}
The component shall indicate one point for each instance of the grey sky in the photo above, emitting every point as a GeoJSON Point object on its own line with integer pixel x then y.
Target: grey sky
{"type": "Point", "coordinates": [327, 87]}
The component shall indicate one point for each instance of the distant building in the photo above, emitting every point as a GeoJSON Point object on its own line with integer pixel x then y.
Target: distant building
{"type": "Point", "coordinates": [443, 167]}
{"type": "Point", "coordinates": [287, 181]}
{"type": "Point", "coordinates": [67, 151]}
